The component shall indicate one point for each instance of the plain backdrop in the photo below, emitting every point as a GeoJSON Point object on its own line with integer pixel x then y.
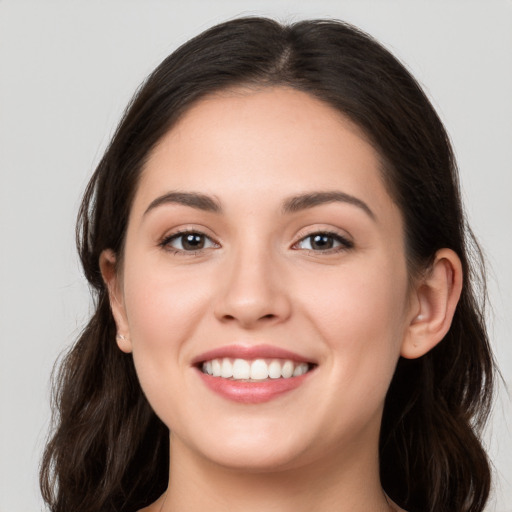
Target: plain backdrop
{"type": "Point", "coordinates": [67, 70]}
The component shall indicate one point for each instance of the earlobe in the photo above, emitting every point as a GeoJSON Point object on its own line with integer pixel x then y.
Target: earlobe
{"type": "Point", "coordinates": [437, 295]}
{"type": "Point", "coordinates": [124, 343]}
{"type": "Point", "coordinates": [111, 278]}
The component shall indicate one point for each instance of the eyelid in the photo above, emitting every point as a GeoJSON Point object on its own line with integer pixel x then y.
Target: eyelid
{"type": "Point", "coordinates": [164, 242]}
{"type": "Point", "coordinates": [345, 242]}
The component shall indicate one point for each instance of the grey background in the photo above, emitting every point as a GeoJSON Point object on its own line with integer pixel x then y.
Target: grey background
{"type": "Point", "coordinates": [67, 70]}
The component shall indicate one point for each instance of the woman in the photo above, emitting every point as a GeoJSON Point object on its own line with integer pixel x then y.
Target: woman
{"type": "Point", "coordinates": [286, 315]}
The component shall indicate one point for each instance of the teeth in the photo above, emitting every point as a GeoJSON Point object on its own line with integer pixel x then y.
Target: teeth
{"type": "Point", "coordinates": [216, 368]}
{"type": "Point", "coordinates": [259, 369]}
{"type": "Point", "coordinates": [274, 370]}
{"type": "Point", "coordinates": [241, 369]}
{"type": "Point", "coordinates": [287, 370]}
{"type": "Point", "coordinates": [301, 369]}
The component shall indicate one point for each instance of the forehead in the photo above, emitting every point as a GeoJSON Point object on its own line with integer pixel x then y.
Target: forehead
{"type": "Point", "coordinates": [265, 143]}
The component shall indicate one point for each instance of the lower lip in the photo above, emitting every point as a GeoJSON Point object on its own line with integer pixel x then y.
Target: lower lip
{"type": "Point", "coordinates": [252, 392]}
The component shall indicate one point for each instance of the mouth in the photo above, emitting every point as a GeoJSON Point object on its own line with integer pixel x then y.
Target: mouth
{"type": "Point", "coordinates": [256, 370]}
{"type": "Point", "coordinates": [253, 374]}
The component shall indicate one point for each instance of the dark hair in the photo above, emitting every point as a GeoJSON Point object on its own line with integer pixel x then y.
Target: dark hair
{"type": "Point", "coordinates": [109, 451]}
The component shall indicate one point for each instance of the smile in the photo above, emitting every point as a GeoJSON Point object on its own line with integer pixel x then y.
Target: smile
{"type": "Point", "coordinates": [253, 374]}
{"type": "Point", "coordinates": [254, 370]}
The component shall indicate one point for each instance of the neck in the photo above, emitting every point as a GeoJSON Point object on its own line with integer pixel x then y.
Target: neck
{"type": "Point", "coordinates": [197, 484]}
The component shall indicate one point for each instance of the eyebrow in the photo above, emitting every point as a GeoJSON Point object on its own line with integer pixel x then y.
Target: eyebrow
{"type": "Point", "coordinates": [192, 199]}
{"type": "Point", "coordinates": [291, 205]}
{"type": "Point", "coordinates": [312, 199]}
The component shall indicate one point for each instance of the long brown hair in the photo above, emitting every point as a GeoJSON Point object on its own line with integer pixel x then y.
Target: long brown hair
{"type": "Point", "coordinates": [108, 450]}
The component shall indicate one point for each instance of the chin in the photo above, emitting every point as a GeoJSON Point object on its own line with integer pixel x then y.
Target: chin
{"type": "Point", "coordinates": [255, 461]}
{"type": "Point", "coordinates": [252, 452]}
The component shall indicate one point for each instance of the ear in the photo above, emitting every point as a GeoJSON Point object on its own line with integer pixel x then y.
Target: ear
{"type": "Point", "coordinates": [435, 298]}
{"type": "Point", "coordinates": [112, 280]}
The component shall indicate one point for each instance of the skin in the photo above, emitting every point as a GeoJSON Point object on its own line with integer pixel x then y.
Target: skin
{"type": "Point", "coordinates": [350, 309]}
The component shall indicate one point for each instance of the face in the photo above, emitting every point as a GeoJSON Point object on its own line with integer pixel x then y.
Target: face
{"type": "Point", "coordinates": [263, 247]}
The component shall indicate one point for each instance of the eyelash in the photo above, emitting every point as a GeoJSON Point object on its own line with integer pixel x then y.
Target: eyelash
{"type": "Point", "coordinates": [165, 243]}
{"type": "Point", "coordinates": [344, 243]}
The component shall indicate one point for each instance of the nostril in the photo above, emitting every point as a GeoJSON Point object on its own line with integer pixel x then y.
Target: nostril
{"type": "Point", "coordinates": [268, 318]}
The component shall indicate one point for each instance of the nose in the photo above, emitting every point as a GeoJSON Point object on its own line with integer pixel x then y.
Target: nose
{"type": "Point", "coordinates": [254, 293]}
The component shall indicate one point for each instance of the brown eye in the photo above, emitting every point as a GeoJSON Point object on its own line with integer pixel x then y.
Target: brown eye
{"type": "Point", "coordinates": [323, 242]}
{"type": "Point", "coordinates": [192, 241]}
{"type": "Point", "coordinates": [188, 242]}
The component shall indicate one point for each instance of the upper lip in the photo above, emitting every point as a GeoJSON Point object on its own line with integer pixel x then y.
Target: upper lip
{"type": "Point", "coordinates": [250, 352]}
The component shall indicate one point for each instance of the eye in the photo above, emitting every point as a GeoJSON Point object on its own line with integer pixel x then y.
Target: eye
{"type": "Point", "coordinates": [323, 242]}
{"type": "Point", "coordinates": [189, 241]}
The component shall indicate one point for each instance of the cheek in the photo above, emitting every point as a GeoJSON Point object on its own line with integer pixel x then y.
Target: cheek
{"type": "Point", "coordinates": [163, 309]}
{"type": "Point", "coordinates": [360, 315]}
{"type": "Point", "coordinates": [360, 321]}
{"type": "Point", "coordinates": [359, 298]}
{"type": "Point", "coordinates": [161, 305]}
